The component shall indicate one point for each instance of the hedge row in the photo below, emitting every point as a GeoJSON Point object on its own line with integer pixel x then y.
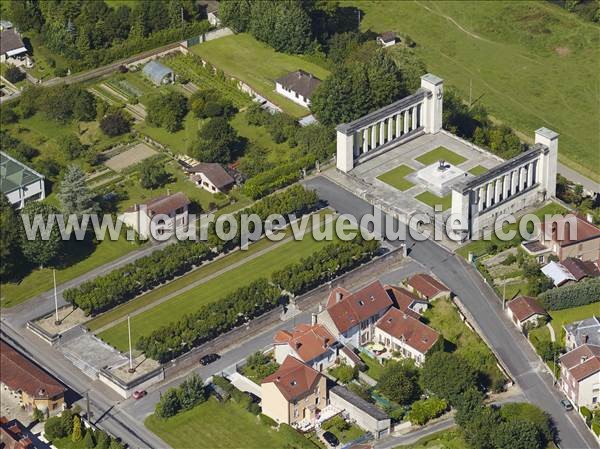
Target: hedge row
{"type": "Point", "coordinates": [573, 295]}
{"type": "Point", "coordinates": [210, 321]}
{"type": "Point", "coordinates": [125, 283]}
{"type": "Point", "coordinates": [277, 178]}
{"type": "Point", "coordinates": [324, 265]}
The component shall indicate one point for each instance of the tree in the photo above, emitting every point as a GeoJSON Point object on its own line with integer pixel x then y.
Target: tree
{"type": "Point", "coordinates": [72, 147]}
{"type": "Point", "coordinates": [153, 173]}
{"type": "Point", "coordinates": [76, 434]}
{"type": "Point", "coordinates": [191, 392]}
{"type": "Point", "coordinates": [169, 404]}
{"type": "Point", "coordinates": [235, 14]}
{"type": "Point", "coordinates": [341, 45]}
{"type": "Point", "coordinates": [447, 375]}
{"type": "Point", "coordinates": [519, 434]}
{"type": "Point", "coordinates": [14, 74]}
{"type": "Point", "coordinates": [385, 82]}
{"type": "Point", "coordinates": [88, 439]}
{"type": "Point", "coordinates": [469, 404]}
{"type": "Point", "coordinates": [39, 251]}
{"type": "Point", "coordinates": [74, 195]}
{"type": "Point", "coordinates": [167, 111]}
{"type": "Point", "coordinates": [398, 382]}
{"type": "Point", "coordinates": [115, 124]}
{"type": "Point", "coordinates": [529, 412]}
{"type": "Point", "coordinates": [115, 444]}
{"type": "Point", "coordinates": [217, 141]}
{"type": "Point", "coordinates": [332, 101]}
{"type": "Point", "coordinates": [102, 440]}
{"type": "Point", "coordinates": [9, 239]}
{"type": "Point", "coordinates": [480, 430]}
{"type": "Point", "coordinates": [53, 428]}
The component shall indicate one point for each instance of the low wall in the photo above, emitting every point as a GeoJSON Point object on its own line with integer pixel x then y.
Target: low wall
{"type": "Point", "coordinates": [124, 388]}
{"type": "Point", "coordinates": [49, 338]}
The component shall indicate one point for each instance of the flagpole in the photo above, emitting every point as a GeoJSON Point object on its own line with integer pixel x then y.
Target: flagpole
{"type": "Point", "coordinates": [57, 321]}
{"type": "Point", "coordinates": [131, 370]}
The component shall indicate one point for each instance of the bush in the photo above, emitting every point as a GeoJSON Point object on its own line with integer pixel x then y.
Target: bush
{"type": "Point", "coordinates": [254, 408]}
{"type": "Point", "coordinates": [596, 428]}
{"type": "Point", "coordinates": [266, 420]}
{"type": "Point", "coordinates": [344, 373]}
{"type": "Point", "coordinates": [276, 178]}
{"type": "Point", "coordinates": [115, 124]}
{"type": "Point", "coordinates": [426, 409]}
{"type": "Point", "coordinates": [573, 295]}
{"type": "Point", "coordinates": [53, 428]}
{"type": "Point", "coordinates": [14, 74]}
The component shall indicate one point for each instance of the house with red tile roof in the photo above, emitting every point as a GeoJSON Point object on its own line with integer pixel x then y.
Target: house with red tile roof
{"type": "Point", "coordinates": [36, 388]}
{"type": "Point", "coordinates": [401, 333]}
{"type": "Point", "coordinates": [312, 344]}
{"type": "Point", "coordinates": [580, 375]}
{"type": "Point", "coordinates": [407, 301]}
{"type": "Point", "coordinates": [525, 310]}
{"type": "Point", "coordinates": [426, 286]}
{"type": "Point", "coordinates": [294, 394]}
{"type": "Point", "coordinates": [351, 317]}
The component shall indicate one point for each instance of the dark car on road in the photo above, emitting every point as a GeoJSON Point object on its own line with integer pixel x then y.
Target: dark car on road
{"type": "Point", "coordinates": [209, 358]}
{"type": "Point", "coordinates": [331, 439]}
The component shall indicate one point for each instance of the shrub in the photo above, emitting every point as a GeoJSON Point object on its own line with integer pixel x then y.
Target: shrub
{"type": "Point", "coordinates": [254, 408]}
{"type": "Point", "coordinates": [53, 428]}
{"type": "Point", "coordinates": [276, 178]}
{"type": "Point", "coordinates": [573, 295]}
{"type": "Point", "coordinates": [267, 420]}
{"type": "Point", "coordinates": [596, 428]}
{"type": "Point", "coordinates": [426, 409]}
{"type": "Point", "coordinates": [344, 373]}
{"type": "Point", "coordinates": [115, 124]}
{"type": "Point", "coordinates": [14, 74]}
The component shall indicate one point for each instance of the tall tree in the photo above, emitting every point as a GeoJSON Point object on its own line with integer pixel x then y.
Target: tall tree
{"type": "Point", "coordinates": [385, 82]}
{"type": "Point", "coordinates": [153, 173]}
{"type": "Point", "coordinates": [37, 250]}
{"type": "Point", "coordinates": [74, 195]}
{"type": "Point", "coordinates": [9, 239]}
{"type": "Point", "coordinates": [235, 14]}
{"type": "Point", "coordinates": [517, 435]}
{"type": "Point", "coordinates": [76, 435]}
{"type": "Point", "coordinates": [217, 141]}
{"type": "Point", "coordinates": [447, 376]}
{"type": "Point", "coordinates": [167, 110]}
{"type": "Point", "coordinates": [398, 382]}
{"type": "Point", "coordinates": [332, 102]}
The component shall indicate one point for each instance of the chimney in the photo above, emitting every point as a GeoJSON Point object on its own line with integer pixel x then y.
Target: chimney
{"type": "Point", "coordinates": [338, 296]}
{"type": "Point", "coordinates": [589, 217]}
{"type": "Point", "coordinates": [297, 345]}
{"type": "Point", "coordinates": [313, 319]}
{"type": "Point", "coordinates": [585, 338]}
{"type": "Point", "coordinates": [135, 207]}
{"type": "Point", "coordinates": [325, 343]}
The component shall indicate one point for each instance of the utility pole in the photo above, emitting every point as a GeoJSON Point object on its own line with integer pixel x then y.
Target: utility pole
{"type": "Point", "coordinates": [504, 296]}
{"type": "Point", "coordinates": [56, 320]}
{"type": "Point", "coordinates": [131, 370]}
{"type": "Point", "coordinates": [470, 91]}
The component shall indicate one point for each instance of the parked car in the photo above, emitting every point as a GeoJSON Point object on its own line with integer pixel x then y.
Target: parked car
{"type": "Point", "coordinates": [209, 358]}
{"type": "Point", "coordinates": [567, 405]}
{"type": "Point", "coordinates": [331, 439]}
{"type": "Point", "coordinates": [139, 394]}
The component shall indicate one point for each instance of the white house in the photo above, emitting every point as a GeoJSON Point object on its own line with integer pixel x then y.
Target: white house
{"type": "Point", "coordinates": [298, 86]}
{"type": "Point", "coordinates": [165, 214]}
{"type": "Point", "coordinates": [211, 177]}
{"type": "Point", "coordinates": [20, 183]}
{"type": "Point", "coordinates": [312, 344]}
{"type": "Point", "coordinates": [399, 332]}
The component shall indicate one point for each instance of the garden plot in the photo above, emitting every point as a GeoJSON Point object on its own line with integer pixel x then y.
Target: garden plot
{"type": "Point", "coordinates": [132, 156]}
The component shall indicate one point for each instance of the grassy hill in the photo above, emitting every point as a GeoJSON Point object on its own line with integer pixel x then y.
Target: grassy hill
{"type": "Point", "coordinates": [532, 64]}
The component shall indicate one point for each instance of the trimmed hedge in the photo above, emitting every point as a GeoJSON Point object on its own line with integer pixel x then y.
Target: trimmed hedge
{"type": "Point", "coordinates": [579, 294]}
{"type": "Point", "coordinates": [276, 178]}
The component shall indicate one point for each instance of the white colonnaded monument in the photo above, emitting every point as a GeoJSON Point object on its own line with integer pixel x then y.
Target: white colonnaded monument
{"type": "Point", "coordinates": [510, 186]}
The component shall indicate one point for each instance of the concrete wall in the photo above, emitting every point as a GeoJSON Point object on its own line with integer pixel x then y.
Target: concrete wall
{"type": "Point", "coordinates": [378, 428]}
{"type": "Point", "coordinates": [295, 97]}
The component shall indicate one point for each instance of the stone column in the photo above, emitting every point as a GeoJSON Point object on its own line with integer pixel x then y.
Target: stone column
{"type": "Point", "coordinates": [515, 181]}
{"type": "Point", "coordinates": [481, 193]}
{"type": "Point", "coordinates": [490, 194]}
{"type": "Point", "coordinates": [398, 125]}
{"type": "Point", "coordinates": [390, 126]}
{"type": "Point", "coordinates": [365, 142]}
{"type": "Point", "coordinates": [530, 174]}
{"type": "Point", "coordinates": [498, 190]}
{"type": "Point", "coordinates": [373, 137]}
{"type": "Point", "coordinates": [414, 119]}
{"type": "Point", "coordinates": [522, 178]}
{"type": "Point", "coordinates": [506, 186]}
{"type": "Point", "coordinates": [405, 119]}
{"type": "Point", "coordinates": [382, 132]}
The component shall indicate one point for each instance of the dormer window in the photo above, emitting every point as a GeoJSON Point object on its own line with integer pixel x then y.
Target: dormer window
{"type": "Point", "coordinates": [361, 303]}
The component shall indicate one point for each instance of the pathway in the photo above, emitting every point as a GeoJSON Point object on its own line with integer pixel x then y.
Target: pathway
{"type": "Point", "coordinates": [552, 334]}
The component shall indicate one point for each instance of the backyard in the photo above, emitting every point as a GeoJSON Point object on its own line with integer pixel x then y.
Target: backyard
{"type": "Point", "coordinates": [244, 57]}
{"type": "Point", "coordinates": [487, 48]}
{"type": "Point", "coordinates": [223, 425]}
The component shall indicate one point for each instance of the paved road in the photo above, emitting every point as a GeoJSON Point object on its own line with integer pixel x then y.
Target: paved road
{"type": "Point", "coordinates": [481, 301]}
{"type": "Point", "coordinates": [573, 175]}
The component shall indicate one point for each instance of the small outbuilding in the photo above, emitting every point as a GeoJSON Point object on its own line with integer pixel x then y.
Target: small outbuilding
{"type": "Point", "coordinates": [11, 45]}
{"type": "Point", "coordinates": [525, 310]}
{"type": "Point", "coordinates": [211, 176]}
{"type": "Point", "coordinates": [158, 73]}
{"type": "Point", "coordinates": [298, 86]}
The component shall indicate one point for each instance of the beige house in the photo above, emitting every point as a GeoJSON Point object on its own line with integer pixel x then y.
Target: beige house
{"type": "Point", "coordinates": [211, 177]}
{"type": "Point", "coordinates": [580, 375]}
{"type": "Point", "coordinates": [294, 394]}
{"type": "Point", "coordinates": [525, 310]}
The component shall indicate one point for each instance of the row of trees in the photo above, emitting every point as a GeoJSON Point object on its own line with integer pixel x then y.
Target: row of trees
{"type": "Point", "coordinates": [189, 394]}
{"type": "Point", "coordinates": [122, 284]}
{"type": "Point", "coordinates": [61, 103]}
{"type": "Point", "coordinates": [573, 295]}
{"type": "Point", "coordinates": [210, 321]}
{"type": "Point", "coordinates": [69, 425]}
{"type": "Point", "coordinates": [324, 265]}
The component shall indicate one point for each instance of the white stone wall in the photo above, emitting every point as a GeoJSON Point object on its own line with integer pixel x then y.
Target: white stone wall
{"type": "Point", "coordinates": [296, 98]}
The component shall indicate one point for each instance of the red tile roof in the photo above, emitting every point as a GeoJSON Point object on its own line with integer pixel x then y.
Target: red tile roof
{"type": "Point", "coordinates": [353, 308]}
{"type": "Point", "coordinates": [164, 204]}
{"type": "Point", "coordinates": [12, 434]}
{"type": "Point", "coordinates": [524, 307]}
{"type": "Point", "coordinates": [427, 285]}
{"type": "Point", "coordinates": [308, 341]}
{"type": "Point", "coordinates": [405, 300]}
{"type": "Point", "coordinates": [19, 373]}
{"type": "Point", "coordinates": [580, 268]}
{"type": "Point", "coordinates": [294, 379]}
{"type": "Point", "coordinates": [582, 361]}
{"type": "Point", "coordinates": [408, 329]}
{"type": "Point", "coordinates": [584, 231]}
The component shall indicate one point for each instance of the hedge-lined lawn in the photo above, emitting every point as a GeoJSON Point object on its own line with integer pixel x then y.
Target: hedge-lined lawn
{"type": "Point", "coordinates": [396, 177]}
{"type": "Point", "coordinates": [223, 425]}
{"type": "Point", "coordinates": [40, 281]}
{"type": "Point", "coordinates": [432, 200]}
{"type": "Point", "coordinates": [374, 368]}
{"type": "Point", "coordinates": [179, 141]}
{"type": "Point", "coordinates": [215, 289]}
{"type": "Point", "coordinates": [441, 153]}
{"type": "Point", "coordinates": [478, 170]}
{"type": "Point", "coordinates": [566, 316]}
{"type": "Point", "coordinates": [443, 316]}
{"type": "Point", "coordinates": [258, 65]}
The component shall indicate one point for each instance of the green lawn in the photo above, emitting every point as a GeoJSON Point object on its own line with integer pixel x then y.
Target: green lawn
{"type": "Point", "coordinates": [344, 431]}
{"type": "Point", "coordinates": [258, 65]}
{"type": "Point", "coordinates": [443, 316]}
{"type": "Point", "coordinates": [446, 439]}
{"type": "Point", "coordinates": [374, 368]}
{"type": "Point", "coordinates": [497, 49]}
{"type": "Point", "coordinates": [441, 153]}
{"type": "Point", "coordinates": [478, 170]}
{"type": "Point", "coordinates": [213, 290]}
{"type": "Point", "coordinates": [42, 56]}
{"type": "Point", "coordinates": [223, 425]}
{"type": "Point", "coordinates": [396, 177]}
{"type": "Point", "coordinates": [566, 316]}
{"type": "Point", "coordinates": [178, 141]}
{"type": "Point", "coordinates": [40, 280]}
{"type": "Point", "coordinates": [432, 200]}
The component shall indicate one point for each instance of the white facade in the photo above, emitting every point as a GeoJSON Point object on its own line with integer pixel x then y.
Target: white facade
{"type": "Point", "coordinates": [582, 393]}
{"type": "Point", "coordinates": [392, 343]}
{"type": "Point", "coordinates": [140, 221]}
{"type": "Point", "coordinates": [290, 94]}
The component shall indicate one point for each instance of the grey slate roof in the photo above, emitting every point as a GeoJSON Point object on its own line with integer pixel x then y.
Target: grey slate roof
{"type": "Point", "coordinates": [359, 402]}
{"type": "Point", "coordinates": [301, 82]}
{"type": "Point", "coordinates": [14, 174]}
{"type": "Point", "coordinates": [9, 41]}
{"type": "Point", "coordinates": [589, 327]}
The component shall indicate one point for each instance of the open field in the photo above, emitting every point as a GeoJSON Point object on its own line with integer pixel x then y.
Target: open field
{"type": "Point", "coordinates": [223, 425]}
{"type": "Point", "coordinates": [566, 316]}
{"type": "Point", "coordinates": [258, 65]}
{"type": "Point", "coordinates": [441, 153]}
{"type": "Point", "coordinates": [214, 289]}
{"type": "Point", "coordinates": [432, 200]}
{"type": "Point", "coordinates": [517, 56]}
{"type": "Point", "coordinates": [396, 177]}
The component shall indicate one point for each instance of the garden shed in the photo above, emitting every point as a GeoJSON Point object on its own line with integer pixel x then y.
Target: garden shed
{"type": "Point", "coordinates": [158, 73]}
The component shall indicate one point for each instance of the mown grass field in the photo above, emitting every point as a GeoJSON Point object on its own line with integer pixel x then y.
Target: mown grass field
{"type": "Point", "coordinates": [223, 425]}
{"type": "Point", "coordinates": [397, 177]}
{"type": "Point", "coordinates": [179, 141]}
{"type": "Point", "coordinates": [433, 200]}
{"type": "Point", "coordinates": [441, 153]}
{"type": "Point", "coordinates": [258, 65]}
{"type": "Point", "coordinates": [566, 316]}
{"type": "Point", "coordinates": [531, 64]}
{"type": "Point", "coordinates": [478, 170]}
{"type": "Point", "coordinates": [215, 289]}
